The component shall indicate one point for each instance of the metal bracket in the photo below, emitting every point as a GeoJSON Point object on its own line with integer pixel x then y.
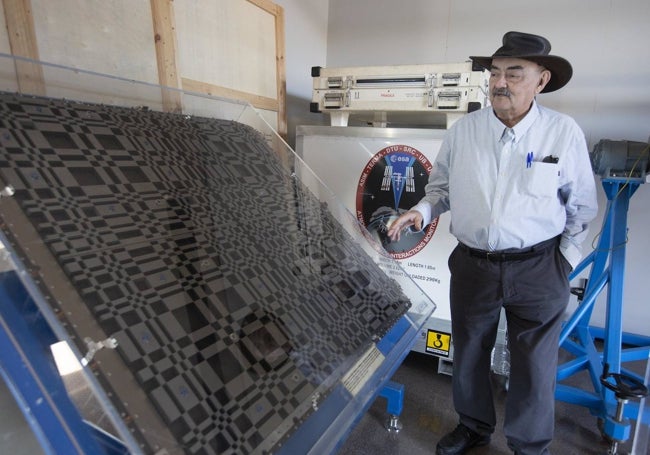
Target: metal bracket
{"type": "Point", "coordinates": [7, 191]}
{"type": "Point", "coordinates": [94, 346]}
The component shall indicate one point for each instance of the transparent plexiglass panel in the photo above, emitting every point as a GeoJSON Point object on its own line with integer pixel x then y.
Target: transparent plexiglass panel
{"type": "Point", "coordinates": [213, 291]}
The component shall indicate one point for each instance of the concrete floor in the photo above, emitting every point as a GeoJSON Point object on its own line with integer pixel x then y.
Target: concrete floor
{"type": "Point", "coordinates": [427, 415]}
{"type": "Point", "coordinates": [16, 437]}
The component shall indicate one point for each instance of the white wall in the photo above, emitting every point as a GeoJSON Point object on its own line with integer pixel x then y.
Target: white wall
{"type": "Point", "coordinates": [606, 42]}
{"type": "Point", "coordinates": [306, 46]}
{"type": "Point", "coordinates": [609, 95]}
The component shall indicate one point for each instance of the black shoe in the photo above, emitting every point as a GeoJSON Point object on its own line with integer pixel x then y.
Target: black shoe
{"type": "Point", "coordinates": [460, 441]}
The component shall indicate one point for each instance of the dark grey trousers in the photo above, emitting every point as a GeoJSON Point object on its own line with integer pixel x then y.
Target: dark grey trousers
{"type": "Point", "coordinates": [534, 293]}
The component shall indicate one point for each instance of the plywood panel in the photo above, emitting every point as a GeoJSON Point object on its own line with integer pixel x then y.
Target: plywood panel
{"type": "Point", "coordinates": [111, 37]}
{"type": "Point", "coordinates": [227, 48]}
{"type": "Point", "coordinates": [227, 43]}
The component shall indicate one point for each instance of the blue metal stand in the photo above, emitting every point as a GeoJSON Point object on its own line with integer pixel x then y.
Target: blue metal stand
{"type": "Point", "coordinates": [395, 345]}
{"type": "Point", "coordinates": [607, 269]}
{"type": "Point", "coordinates": [393, 392]}
{"type": "Point", "coordinates": [29, 370]}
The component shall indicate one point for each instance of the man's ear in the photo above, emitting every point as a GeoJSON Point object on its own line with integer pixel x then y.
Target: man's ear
{"type": "Point", "coordinates": [544, 77]}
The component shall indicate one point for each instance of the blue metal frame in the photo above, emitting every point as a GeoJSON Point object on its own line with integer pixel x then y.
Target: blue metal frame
{"type": "Point", "coordinates": [27, 366]}
{"type": "Point", "coordinates": [577, 337]}
{"type": "Point", "coordinates": [317, 434]}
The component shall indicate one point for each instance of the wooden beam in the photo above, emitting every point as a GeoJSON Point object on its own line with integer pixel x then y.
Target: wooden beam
{"type": "Point", "coordinates": [266, 5]}
{"type": "Point", "coordinates": [280, 70]}
{"type": "Point", "coordinates": [22, 41]}
{"type": "Point", "coordinates": [164, 29]}
{"type": "Point", "coordinates": [280, 65]}
{"type": "Point", "coordinates": [260, 102]}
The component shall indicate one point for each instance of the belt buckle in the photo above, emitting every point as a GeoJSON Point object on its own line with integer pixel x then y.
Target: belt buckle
{"type": "Point", "coordinates": [488, 255]}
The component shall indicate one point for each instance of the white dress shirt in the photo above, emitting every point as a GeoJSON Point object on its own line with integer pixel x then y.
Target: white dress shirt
{"type": "Point", "coordinates": [500, 193]}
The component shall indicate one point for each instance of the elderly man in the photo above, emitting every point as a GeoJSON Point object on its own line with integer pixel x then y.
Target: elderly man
{"type": "Point", "coordinates": [518, 183]}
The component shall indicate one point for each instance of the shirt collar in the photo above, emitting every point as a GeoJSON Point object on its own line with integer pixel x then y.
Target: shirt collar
{"type": "Point", "coordinates": [520, 128]}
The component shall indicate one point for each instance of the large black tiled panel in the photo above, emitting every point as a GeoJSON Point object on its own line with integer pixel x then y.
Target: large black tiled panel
{"type": "Point", "coordinates": [232, 291]}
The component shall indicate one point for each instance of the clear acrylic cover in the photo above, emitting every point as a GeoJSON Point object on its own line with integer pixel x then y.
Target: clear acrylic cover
{"type": "Point", "coordinates": [213, 292]}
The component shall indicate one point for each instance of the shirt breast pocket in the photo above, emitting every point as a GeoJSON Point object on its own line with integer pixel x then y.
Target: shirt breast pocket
{"type": "Point", "coordinates": [541, 179]}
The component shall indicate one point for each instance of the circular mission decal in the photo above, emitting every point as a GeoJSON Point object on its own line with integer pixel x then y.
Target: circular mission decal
{"type": "Point", "coordinates": [391, 183]}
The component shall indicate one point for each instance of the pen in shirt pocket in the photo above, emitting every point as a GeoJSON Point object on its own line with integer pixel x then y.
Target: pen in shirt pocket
{"type": "Point", "coordinates": [529, 159]}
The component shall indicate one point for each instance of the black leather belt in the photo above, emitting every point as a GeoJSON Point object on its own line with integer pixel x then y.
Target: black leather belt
{"type": "Point", "coordinates": [511, 255]}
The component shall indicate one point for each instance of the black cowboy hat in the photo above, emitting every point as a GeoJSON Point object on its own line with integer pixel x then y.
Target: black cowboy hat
{"type": "Point", "coordinates": [534, 48]}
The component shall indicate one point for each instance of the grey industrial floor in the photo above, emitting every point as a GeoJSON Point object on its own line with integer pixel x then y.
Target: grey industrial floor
{"type": "Point", "coordinates": [427, 415]}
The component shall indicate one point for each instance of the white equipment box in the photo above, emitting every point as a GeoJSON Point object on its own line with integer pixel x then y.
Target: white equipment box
{"type": "Point", "coordinates": [433, 94]}
{"type": "Point", "coordinates": [351, 162]}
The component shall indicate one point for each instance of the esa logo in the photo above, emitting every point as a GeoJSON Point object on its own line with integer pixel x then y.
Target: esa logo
{"type": "Point", "coordinates": [390, 184]}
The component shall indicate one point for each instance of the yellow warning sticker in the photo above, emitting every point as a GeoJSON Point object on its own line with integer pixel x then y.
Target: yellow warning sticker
{"type": "Point", "coordinates": [438, 343]}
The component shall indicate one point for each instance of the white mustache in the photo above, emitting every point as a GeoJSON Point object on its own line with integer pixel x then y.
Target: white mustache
{"type": "Point", "coordinates": [501, 92]}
